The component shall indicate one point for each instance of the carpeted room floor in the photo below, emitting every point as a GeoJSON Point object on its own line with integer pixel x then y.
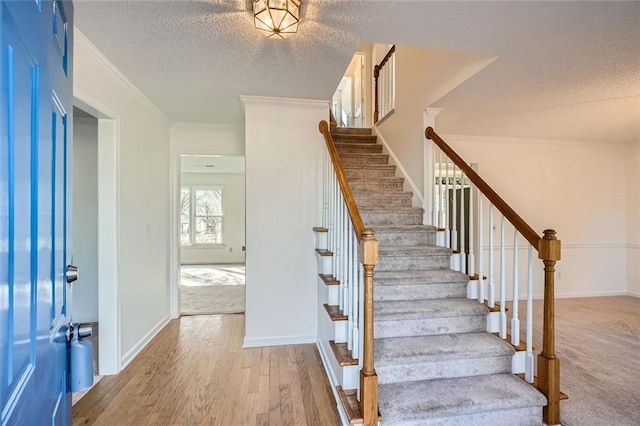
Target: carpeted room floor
{"type": "Point", "coordinates": [212, 289]}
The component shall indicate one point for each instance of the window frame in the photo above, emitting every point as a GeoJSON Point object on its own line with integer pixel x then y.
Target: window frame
{"type": "Point", "coordinates": [192, 215]}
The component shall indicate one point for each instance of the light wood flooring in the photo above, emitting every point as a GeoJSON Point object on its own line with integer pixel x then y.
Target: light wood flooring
{"type": "Point", "coordinates": [195, 372]}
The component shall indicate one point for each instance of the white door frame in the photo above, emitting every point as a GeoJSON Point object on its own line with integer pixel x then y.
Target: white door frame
{"type": "Point", "coordinates": [174, 218]}
{"type": "Point", "coordinates": [109, 321]}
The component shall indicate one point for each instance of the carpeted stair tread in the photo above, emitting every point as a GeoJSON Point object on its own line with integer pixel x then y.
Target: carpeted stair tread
{"type": "Point", "coordinates": [420, 402]}
{"type": "Point", "coordinates": [408, 350]}
{"type": "Point", "coordinates": [351, 131]}
{"type": "Point", "coordinates": [419, 250]}
{"type": "Point", "coordinates": [427, 309]}
{"type": "Point", "coordinates": [390, 210]}
{"type": "Point", "coordinates": [355, 147]}
{"type": "Point", "coordinates": [351, 137]}
{"type": "Point", "coordinates": [431, 276]}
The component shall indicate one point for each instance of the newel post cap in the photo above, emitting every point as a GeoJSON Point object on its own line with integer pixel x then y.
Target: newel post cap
{"type": "Point", "coordinates": [549, 246]}
{"type": "Point", "coordinates": [368, 248]}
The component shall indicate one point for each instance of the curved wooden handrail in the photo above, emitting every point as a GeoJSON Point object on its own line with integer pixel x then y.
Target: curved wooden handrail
{"type": "Point", "coordinates": [518, 222]}
{"type": "Point", "coordinates": [386, 58]}
{"type": "Point", "coordinates": [350, 201]}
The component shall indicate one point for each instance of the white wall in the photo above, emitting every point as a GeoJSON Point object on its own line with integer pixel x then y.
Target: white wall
{"type": "Point", "coordinates": [142, 158]}
{"type": "Point", "coordinates": [633, 220]}
{"type": "Point", "coordinates": [233, 220]}
{"type": "Point", "coordinates": [85, 219]}
{"type": "Point", "coordinates": [577, 188]}
{"type": "Point", "coordinates": [422, 77]}
{"type": "Point", "coordinates": [283, 186]}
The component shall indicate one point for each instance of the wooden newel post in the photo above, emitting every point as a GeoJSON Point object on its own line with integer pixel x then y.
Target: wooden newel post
{"type": "Point", "coordinates": [548, 364]}
{"type": "Point", "coordinates": [376, 112]}
{"type": "Point", "coordinates": [368, 377]}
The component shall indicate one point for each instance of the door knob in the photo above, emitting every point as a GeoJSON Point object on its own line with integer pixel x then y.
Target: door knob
{"type": "Point", "coordinates": [72, 273]}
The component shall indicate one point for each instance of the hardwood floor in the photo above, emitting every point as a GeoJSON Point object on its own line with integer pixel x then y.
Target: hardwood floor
{"type": "Point", "coordinates": [195, 372]}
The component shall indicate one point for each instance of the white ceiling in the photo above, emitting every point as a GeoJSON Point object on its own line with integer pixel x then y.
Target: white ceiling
{"type": "Point", "coordinates": [565, 69]}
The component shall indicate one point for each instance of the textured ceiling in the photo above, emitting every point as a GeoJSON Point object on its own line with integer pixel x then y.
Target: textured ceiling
{"type": "Point", "coordinates": [564, 68]}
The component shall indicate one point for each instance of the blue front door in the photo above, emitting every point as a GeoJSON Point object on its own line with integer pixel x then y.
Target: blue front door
{"type": "Point", "coordinates": [35, 121]}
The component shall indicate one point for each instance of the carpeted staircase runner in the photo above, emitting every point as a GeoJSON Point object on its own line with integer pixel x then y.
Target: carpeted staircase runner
{"type": "Point", "coordinates": [436, 363]}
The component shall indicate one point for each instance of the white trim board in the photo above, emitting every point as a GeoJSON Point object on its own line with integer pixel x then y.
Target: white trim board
{"type": "Point", "coordinates": [333, 382]}
{"type": "Point", "coordinates": [300, 103]}
{"type": "Point", "coordinates": [277, 341]}
{"type": "Point", "coordinates": [140, 345]}
{"type": "Point", "coordinates": [417, 194]}
{"type": "Point", "coordinates": [633, 294]}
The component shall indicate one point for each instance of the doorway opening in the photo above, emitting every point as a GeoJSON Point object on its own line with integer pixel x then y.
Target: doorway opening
{"type": "Point", "coordinates": [348, 104]}
{"type": "Point", "coordinates": [211, 234]}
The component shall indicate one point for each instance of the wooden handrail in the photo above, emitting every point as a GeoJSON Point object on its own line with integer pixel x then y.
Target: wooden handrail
{"type": "Point", "coordinates": [549, 248]}
{"type": "Point", "coordinates": [519, 223]}
{"type": "Point", "coordinates": [376, 74]}
{"type": "Point", "coordinates": [368, 252]}
{"type": "Point", "coordinates": [349, 200]}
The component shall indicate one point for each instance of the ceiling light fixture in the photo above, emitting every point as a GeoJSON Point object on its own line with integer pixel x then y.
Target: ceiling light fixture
{"type": "Point", "coordinates": [277, 18]}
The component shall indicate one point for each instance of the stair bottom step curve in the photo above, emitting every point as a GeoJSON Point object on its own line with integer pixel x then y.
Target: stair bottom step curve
{"type": "Point", "coordinates": [500, 399]}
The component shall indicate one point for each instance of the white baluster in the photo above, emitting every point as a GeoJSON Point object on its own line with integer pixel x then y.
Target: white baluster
{"type": "Point", "coordinates": [462, 248]}
{"type": "Point", "coordinates": [454, 215]}
{"type": "Point", "coordinates": [440, 198]}
{"type": "Point", "coordinates": [471, 261]}
{"type": "Point", "coordinates": [491, 290]}
{"type": "Point", "coordinates": [355, 350]}
{"type": "Point", "coordinates": [481, 296]}
{"type": "Point", "coordinates": [348, 262]}
{"type": "Point", "coordinates": [528, 361]}
{"type": "Point", "coordinates": [515, 320]}
{"type": "Point", "coordinates": [447, 232]}
{"type": "Point", "coordinates": [503, 284]}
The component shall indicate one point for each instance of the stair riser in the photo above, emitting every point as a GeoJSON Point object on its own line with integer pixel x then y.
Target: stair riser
{"type": "Point", "coordinates": [429, 326]}
{"type": "Point", "coordinates": [376, 185]}
{"type": "Point", "coordinates": [418, 291]}
{"type": "Point", "coordinates": [405, 238]}
{"type": "Point", "coordinates": [527, 416]}
{"type": "Point", "coordinates": [377, 219]}
{"type": "Point", "coordinates": [354, 139]}
{"type": "Point", "coordinates": [373, 173]}
{"type": "Point", "coordinates": [401, 373]}
{"type": "Point", "coordinates": [411, 263]}
{"type": "Point", "coordinates": [350, 131]}
{"type": "Point", "coordinates": [359, 149]}
{"type": "Point", "coordinates": [363, 159]}
{"type": "Point", "coordinates": [384, 200]}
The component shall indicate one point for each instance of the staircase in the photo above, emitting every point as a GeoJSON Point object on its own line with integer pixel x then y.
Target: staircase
{"type": "Point", "coordinates": [435, 362]}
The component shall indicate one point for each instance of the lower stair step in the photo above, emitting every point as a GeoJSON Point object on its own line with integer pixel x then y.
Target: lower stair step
{"type": "Point", "coordinates": [408, 359]}
{"type": "Point", "coordinates": [497, 399]}
{"type": "Point", "coordinates": [428, 317]}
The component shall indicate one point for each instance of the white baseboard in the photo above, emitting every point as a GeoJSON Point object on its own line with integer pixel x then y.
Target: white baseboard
{"type": "Point", "coordinates": [138, 347]}
{"type": "Point", "coordinates": [417, 194]}
{"type": "Point", "coordinates": [579, 294]}
{"type": "Point", "coordinates": [633, 294]}
{"type": "Point", "coordinates": [333, 382]}
{"type": "Point", "coordinates": [277, 341]}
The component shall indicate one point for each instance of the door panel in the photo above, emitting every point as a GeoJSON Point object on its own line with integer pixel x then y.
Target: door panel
{"type": "Point", "coordinates": [35, 97]}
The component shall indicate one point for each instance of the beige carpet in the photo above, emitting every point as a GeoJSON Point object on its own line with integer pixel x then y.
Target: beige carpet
{"type": "Point", "coordinates": [598, 343]}
{"type": "Point", "coordinates": [211, 289]}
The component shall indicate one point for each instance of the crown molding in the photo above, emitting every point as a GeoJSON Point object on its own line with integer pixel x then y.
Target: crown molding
{"type": "Point", "coordinates": [81, 42]}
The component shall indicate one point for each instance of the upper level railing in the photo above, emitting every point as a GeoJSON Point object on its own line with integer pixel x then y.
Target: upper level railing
{"type": "Point", "coordinates": [355, 255]}
{"type": "Point", "coordinates": [384, 75]}
{"type": "Point", "coordinates": [457, 190]}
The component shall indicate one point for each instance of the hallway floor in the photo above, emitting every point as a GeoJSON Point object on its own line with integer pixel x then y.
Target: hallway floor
{"type": "Point", "coordinates": [195, 372]}
{"type": "Point", "coordinates": [212, 289]}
